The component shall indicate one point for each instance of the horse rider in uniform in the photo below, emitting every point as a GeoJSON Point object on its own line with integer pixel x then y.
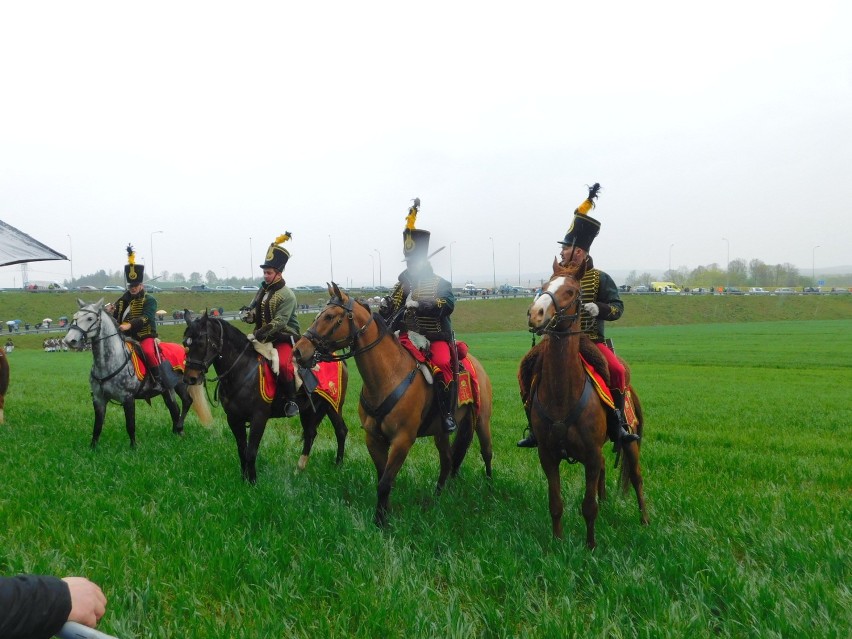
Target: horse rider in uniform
{"type": "Point", "coordinates": [273, 313]}
{"type": "Point", "coordinates": [136, 314]}
{"type": "Point", "coordinates": [422, 302]}
{"type": "Point", "coordinates": [600, 303]}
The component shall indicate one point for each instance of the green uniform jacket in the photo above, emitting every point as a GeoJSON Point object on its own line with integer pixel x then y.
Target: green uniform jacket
{"type": "Point", "coordinates": [275, 306]}
{"type": "Point", "coordinates": [140, 311]}
{"type": "Point", "coordinates": [432, 317]}
{"type": "Point", "coordinates": [599, 288]}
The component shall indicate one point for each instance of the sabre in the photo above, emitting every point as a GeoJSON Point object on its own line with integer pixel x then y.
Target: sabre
{"type": "Point", "coordinates": [74, 630]}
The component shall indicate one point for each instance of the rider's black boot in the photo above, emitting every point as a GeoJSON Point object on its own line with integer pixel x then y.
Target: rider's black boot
{"type": "Point", "coordinates": [291, 409]}
{"type": "Point", "coordinates": [447, 405]}
{"type": "Point", "coordinates": [620, 433]}
{"type": "Point", "coordinates": [165, 374]}
{"type": "Point", "coordinates": [529, 441]}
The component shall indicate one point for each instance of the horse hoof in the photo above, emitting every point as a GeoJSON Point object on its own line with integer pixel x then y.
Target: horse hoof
{"type": "Point", "coordinates": [303, 462]}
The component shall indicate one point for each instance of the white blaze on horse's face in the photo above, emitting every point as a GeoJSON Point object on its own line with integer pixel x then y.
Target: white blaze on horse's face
{"type": "Point", "coordinates": [543, 308]}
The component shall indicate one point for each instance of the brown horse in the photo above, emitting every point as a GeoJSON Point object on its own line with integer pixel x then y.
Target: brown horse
{"type": "Point", "coordinates": [566, 414]}
{"type": "Point", "coordinates": [4, 383]}
{"type": "Point", "coordinates": [397, 401]}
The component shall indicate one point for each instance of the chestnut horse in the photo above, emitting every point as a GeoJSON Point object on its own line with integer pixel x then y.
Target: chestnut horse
{"type": "Point", "coordinates": [566, 414]}
{"type": "Point", "coordinates": [397, 402]}
{"type": "Point", "coordinates": [4, 382]}
{"type": "Point", "coordinates": [213, 341]}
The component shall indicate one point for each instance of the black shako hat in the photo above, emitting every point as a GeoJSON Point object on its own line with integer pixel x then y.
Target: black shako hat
{"type": "Point", "coordinates": [276, 255]}
{"type": "Point", "coordinates": [133, 272]}
{"type": "Point", "coordinates": [584, 229]}
{"type": "Point", "coordinates": [415, 242]}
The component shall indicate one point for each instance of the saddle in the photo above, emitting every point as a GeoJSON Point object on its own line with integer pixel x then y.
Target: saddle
{"type": "Point", "coordinates": [468, 386]}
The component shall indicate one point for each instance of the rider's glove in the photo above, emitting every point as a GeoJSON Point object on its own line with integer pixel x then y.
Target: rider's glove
{"type": "Point", "coordinates": [383, 304]}
{"type": "Point", "coordinates": [411, 302]}
{"type": "Point", "coordinates": [592, 309]}
{"type": "Point", "coordinates": [263, 332]}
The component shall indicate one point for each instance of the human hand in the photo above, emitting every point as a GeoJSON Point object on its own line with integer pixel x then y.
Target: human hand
{"type": "Point", "coordinates": [383, 304]}
{"type": "Point", "coordinates": [411, 302]}
{"type": "Point", "coordinates": [88, 602]}
{"type": "Point", "coordinates": [263, 332]}
{"type": "Point", "coordinates": [124, 326]}
{"type": "Point", "coordinates": [592, 309]}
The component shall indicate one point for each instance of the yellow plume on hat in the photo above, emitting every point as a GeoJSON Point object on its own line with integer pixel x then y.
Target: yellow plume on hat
{"type": "Point", "coordinates": [588, 204]}
{"type": "Point", "coordinates": [412, 214]}
{"type": "Point", "coordinates": [283, 238]}
{"type": "Point", "coordinates": [131, 256]}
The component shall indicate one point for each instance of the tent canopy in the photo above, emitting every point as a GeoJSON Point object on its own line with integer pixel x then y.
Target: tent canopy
{"type": "Point", "coordinates": [17, 247]}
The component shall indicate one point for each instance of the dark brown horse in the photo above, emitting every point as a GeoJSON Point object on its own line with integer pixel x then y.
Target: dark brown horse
{"type": "Point", "coordinates": [213, 341]}
{"type": "Point", "coordinates": [566, 413]}
{"type": "Point", "coordinates": [397, 401]}
{"type": "Point", "coordinates": [4, 383]}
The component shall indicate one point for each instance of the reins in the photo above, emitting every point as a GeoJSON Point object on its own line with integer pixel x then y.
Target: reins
{"type": "Point", "coordinates": [96, 328]}
{"type": "Point", "coordinates": [325, 348]}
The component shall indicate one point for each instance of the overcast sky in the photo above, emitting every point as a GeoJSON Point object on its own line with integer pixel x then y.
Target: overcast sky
{"type": "Point", "coordinates": [200, 131]}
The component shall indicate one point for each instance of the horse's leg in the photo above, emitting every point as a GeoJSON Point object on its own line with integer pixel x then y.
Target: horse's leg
{"type": "Point", "coordinates": [258, 426]}
{"type": "Point", "coordinates": [590, 502]}
{"type": "Point", "coordinates": [632, 467]}
{"type": "Point", "coordinates": [395, 455]}
{"type": "Point", "coordinates": [100, 415]}
{"type": "Point", "coordinates": [182, 391]}
{"type": "Point", "coordinates": [461, 443]}
{"type": "Point", "coordinates": [130, 420]}
{"type": "Point", "coordinates": [238, 428]}
{"type": "Point", "coordinates": [602, 479]}
{"type": "Point", "coordinates": [550, 466]}
{"type": "Point", "coordinates": [340, 432]}
{"type": "Point", "coordinates": [310, 421]}
{"type": "Point", "coordinates": [174, 411]}
{"type": "Point", "coordinates": [442, 443]}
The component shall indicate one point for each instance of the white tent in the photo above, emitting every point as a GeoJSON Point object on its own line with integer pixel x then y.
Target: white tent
{"type": "Point", "coordinates": [17, 247]}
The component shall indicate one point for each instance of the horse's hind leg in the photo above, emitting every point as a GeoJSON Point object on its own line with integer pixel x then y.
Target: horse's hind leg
{"type": "Point", "coordinates": [461, 443]}
{"type": "Point", "coordinates": [395, 456]}
{"type": "Point", "coordinates": [340, 432]}
{"type": "Point", "coordinates": [174, 411]}
{"type": "Point", "coordinates": [182, 391]}
{"type": "Point", "coordinates": [632, 468]}
{"type": "Point", "coordinates": [130, 420]}
{"type": "Point", "coordinates": [550, 466]}
{"type": "Point", "coordinates": [310, 419]}
{"type": "Point", "coordinates": [442, 443]}
{"type": "Point", "coordinates": [483, 432]}
{"type": "Point", "coordinates": [590, 498]}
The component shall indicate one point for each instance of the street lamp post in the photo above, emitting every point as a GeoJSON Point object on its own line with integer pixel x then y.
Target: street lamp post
{"type": "Point", "coordinates": [727, 264]}
{"type": "Point", "coordinates": [71, 258]}
{"type": "Point", "coordinates": [813, 264]}
{"type": "Point", "coordinates": [380, 266]}
{"type": "Point", "coordinates": [153, 272]}
{"type": "Point", "coordinates": [670, 259]}
{"type": "Point", "coordinates": [330, 259]}
{"type": "Point", "coordinates": [373, 271]}
{"type": "Point", "coordinates": [251, 259]}
{"type": "Point", "coordinates": [493, 266]}
{"type": "Point", "coordinates": [451, 263]}
{"type": "Point", "coordinates": [519, 264]}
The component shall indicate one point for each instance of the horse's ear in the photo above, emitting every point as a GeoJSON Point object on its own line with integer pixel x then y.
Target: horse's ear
{"type": "Point", "coordinates": [187, 315]}
{"type": "Point", "coordinates": [80, 303]}
{"type": "Point", "coordinates": [330, 290]}
{"type": "Point", "coordinates": [555, 266]}
{"type": "Point", "coordinates": [100, 303]}
{"type": "Point", "coordinates": [337, 292]}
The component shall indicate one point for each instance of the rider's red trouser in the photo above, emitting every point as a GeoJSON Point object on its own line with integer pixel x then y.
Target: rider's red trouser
{"type": "Point", "coordinates": [616, 369]}
{"type": "Point", "coordinates": [285, 361]}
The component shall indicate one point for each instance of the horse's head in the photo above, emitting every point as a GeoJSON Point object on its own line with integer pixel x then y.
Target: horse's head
{"type": "Point", "coordinates": [202, 343]}
{"type": "Point", "coordinates": [333, 329]}
{"type": "Point", "coordinates": [558, 302]}
{"type": "Point", "coordinates": [85, 324]}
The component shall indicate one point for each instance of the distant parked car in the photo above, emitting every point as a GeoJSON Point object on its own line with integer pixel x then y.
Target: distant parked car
{"type": "Point", "coordinates": [112, 287]}
{"type": "Point", "coordinates": [732, 290]}
{"type": "Point", "coordinates": [199, 288]}
{"type": "Point", "coordinates": [225, 288]}
{"type": "Point", "coordinates": [87, 287]}
{"type": "Point", "coordinates": [812, 290]}
{"type": "Point", "coordinates": [640, 289]}
{"type": "Point", "coordinates": [756, 290]}
{"type": "Point", "coordinates": [180, 289]}
{"type": "Point", "coordinates": [785, 291]}
{"type": "Point", "coordinates": [248, 288]}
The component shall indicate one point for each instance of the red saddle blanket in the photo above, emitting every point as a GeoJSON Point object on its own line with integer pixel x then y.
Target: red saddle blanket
{"type": "Point", "coordinates": [599, 383]}
{"type": "Point", "coordinates": [174, 353]}
{"type": "Point", "coordinates": [468, 390]}
{"type": "Point", "coordinates": [329, 375]}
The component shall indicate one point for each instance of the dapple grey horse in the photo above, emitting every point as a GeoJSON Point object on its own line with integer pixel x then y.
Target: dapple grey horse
{"type": "Point", "coordinates": [113, 376]}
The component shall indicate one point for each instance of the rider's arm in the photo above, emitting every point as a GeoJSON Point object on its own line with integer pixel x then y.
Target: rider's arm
{"type": "Point", "coordinates": [443, 304]}
{"type": "Point", "coordinates": [609, 303]}
{"type": "Point", "coordinates": [284, 319]}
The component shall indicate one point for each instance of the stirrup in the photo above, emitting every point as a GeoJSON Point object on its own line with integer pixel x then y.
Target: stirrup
{"type": "Point", "coordinates": [291, 408]}
{"type": "Point", "coordinates": [529, 441]}
{"type": "Point", "coordinates": [449, 424]}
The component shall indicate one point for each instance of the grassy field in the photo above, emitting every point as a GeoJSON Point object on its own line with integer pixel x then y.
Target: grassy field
{"type": "Point", "coordinates": [747, 477]}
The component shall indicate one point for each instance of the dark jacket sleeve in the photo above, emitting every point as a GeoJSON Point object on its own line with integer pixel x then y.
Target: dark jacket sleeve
{"type": "Point", "coordinates": [33, 606]}
{"type": "Point", "coordinates": [608, 301]}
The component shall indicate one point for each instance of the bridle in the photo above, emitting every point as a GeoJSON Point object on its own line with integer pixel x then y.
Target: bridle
{"type": "Point", "coordinates": [324, 347]}
{"type": "Point", "coordinates": [561, 315]}
{"type": "Point", "coordinates": [212, 350]}
{"type": "Point", "coordinates": [93, 329]}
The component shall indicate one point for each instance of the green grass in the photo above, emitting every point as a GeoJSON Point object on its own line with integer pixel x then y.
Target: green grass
{"type": "Point", "coordinates": [747, 477]}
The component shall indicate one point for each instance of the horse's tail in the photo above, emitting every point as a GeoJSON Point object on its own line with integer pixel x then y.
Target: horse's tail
{"type": "Point", "coordinates": [200, 404]}
{"type": "Point", "coordinates": [640, 430]}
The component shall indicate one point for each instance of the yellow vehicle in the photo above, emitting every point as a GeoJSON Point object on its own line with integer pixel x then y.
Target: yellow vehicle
{"type": "Point", "coordinates": [665, 287]}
